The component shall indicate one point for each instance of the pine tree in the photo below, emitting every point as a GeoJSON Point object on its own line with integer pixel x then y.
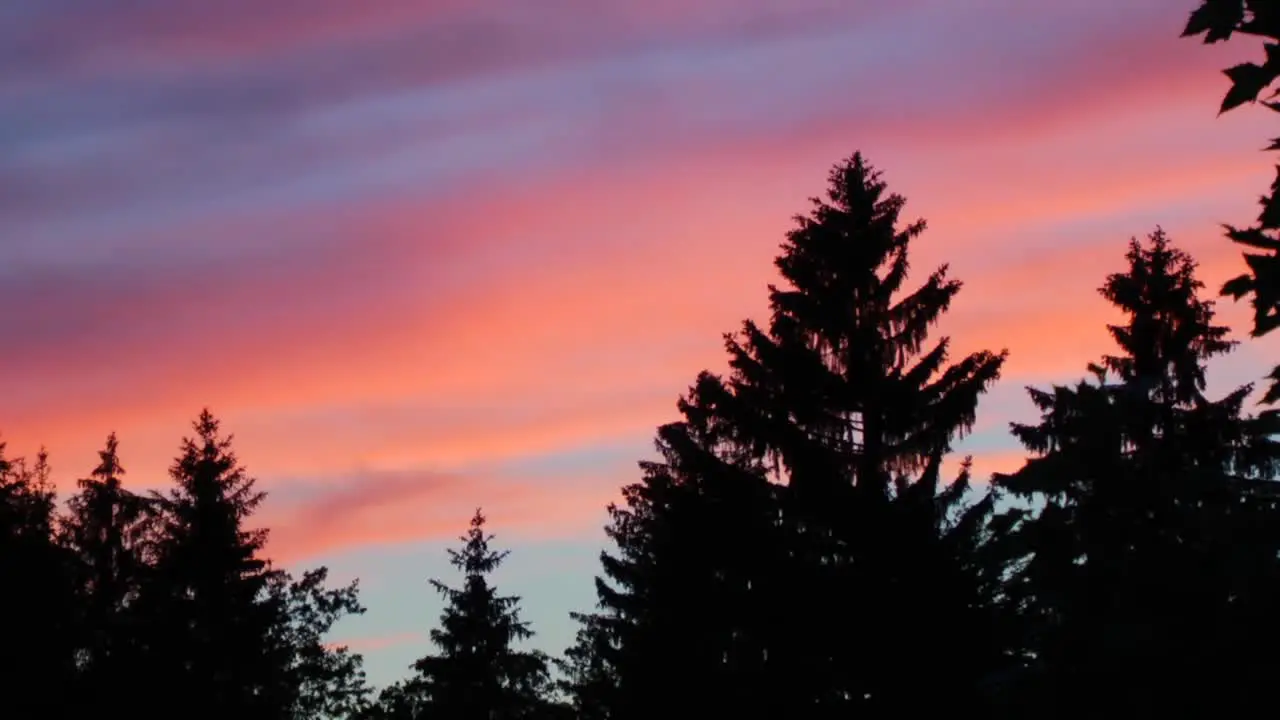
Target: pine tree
{"type": "Point", "coordinates": [795, 549]}
{"type": "Point", "coordinates": [478, 673]}
{"type": "Point", "coordinates": [38, 638]}
{"type": "Point", "coordinates": [1149, 498]}
{"type": "Point", "coordinates": [207, 595]}
{"type": "Point", "coordinates": [843, 372]}
{"type": "Point", "coordinates": [105, 529]}
{"type": "Point", "coordinates": [844, 395]}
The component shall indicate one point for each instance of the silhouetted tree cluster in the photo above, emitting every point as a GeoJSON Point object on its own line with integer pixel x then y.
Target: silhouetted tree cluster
{"type": "Point", "coordinates": [806, 544]}
{"type": "Point", "coordinates": [798, 552]}
{"type": "Point", "coordinates": [165, 591]}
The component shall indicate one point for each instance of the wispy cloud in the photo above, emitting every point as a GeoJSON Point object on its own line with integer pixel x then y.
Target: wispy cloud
{"type": "Point", "coordinates": [391, 242]}
{"type": "Point", "coordinates": [360, 510]}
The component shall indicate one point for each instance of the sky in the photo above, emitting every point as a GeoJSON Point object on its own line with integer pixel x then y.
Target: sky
{"type": "Point", "coordinates": [426, 255]}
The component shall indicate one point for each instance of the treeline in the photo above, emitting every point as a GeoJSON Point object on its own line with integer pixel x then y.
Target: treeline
{"type": "Point", "coordinates": [796, 552]}
{"type": "Point", "coordinates": [161, 606]}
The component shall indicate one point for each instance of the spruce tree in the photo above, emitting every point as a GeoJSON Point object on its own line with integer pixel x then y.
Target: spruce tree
{"type": "Point", "coordinates": [478, 672]}
{"type": "Point", "coordinates": [796, 549]}
{"type": "Point", "coordinates": [1150, 500]}
{"type": "Point", "coordinates": [105, 530]}
{"type": "Point", "coordinates": [843, 388]}
{"type": "Point", "coordinates": [206, 597]}
{"type": "Point", "coordinates": [855, 408]}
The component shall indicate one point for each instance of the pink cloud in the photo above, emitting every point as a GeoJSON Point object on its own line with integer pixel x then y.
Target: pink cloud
{"type": "Point", "coordinates": [571, 308]}
{"type": "Point", "coordinates": [380, 642]}
{"type": "Point", "coordinates": [390, 509]}
{"type": "Point", "coordinates": [381, 509]}
{"type": "Point", "coordinates": [461, 37]}
{"type": "Point", "coordinates": [514, 340]}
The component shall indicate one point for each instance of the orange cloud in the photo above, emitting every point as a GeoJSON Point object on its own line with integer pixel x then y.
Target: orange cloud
{"type": "Point", "coordinates": [395, 508]}
{"type": "Point", "coordinates": [598, 343]}
{"type": "Point", "coordinates": [596, 294]}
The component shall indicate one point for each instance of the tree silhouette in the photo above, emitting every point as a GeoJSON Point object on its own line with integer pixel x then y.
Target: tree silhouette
{"type": "Point", "coordinates": [320, 680]}
{"type": "Point", "coordinates": [105, 529]}
{"type": "Point", "coordinates": [399, 701]}
{"type": "Point", "coordinates": [207, 592]}
{"type": "Point", "coordinates": [795, 549]}
{"type": "Point", "coordinates": [588, 678]}
{"type": "Point", "coordinates": [223, 633]}
{"type": "Point", "coordinates": [855, 410]}
{"type": "Point", "coordinates": [683, 622]}
{"type": "Point", "coordinates": [477, 673]}
{"type": "Point", "coordinates": [1149, 499]}
{"type": "Point", "coordinates": [1217, 21]}
{"type": "Point", "coordinates": [37, 665]}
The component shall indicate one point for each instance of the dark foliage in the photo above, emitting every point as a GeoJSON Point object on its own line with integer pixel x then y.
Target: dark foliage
{"type": "Point", "coordinates": [796, 549]}
{"type": "Point", "coordinates": [319, 680]}
{"type": "Point", "coordinates": [1151, 509]}
{"type": "Point", "coordinates": [587, 675]}
{"type": "Point", "coordinates": [37, 595]}
{"type": "Point", "coordinates": [171, 588]}
{"type": "Point", "coordinates": [106, 530]}
{"type": "Point", "coordinates": [854, 409]}
{"type": "Point", "coordinates": [1217, 21]}
{"type": "Point", "coordinates": [210, 618]}
{"type": "Point", "coordinates": [477, 672]}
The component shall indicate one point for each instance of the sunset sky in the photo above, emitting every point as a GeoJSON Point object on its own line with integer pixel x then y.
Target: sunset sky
{"type": "Point", "coordinates": [424, 255]}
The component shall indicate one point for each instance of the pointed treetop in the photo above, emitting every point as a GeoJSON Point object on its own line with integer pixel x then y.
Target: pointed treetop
{"type": "Point", "coordinates": [109, 469]}
{"type": "Point", "coordinates": [208, 468]}
{"type": "Point", "coordinates": [207, 446]}
{"type": "Point", "coordinates": [1169, 330]}
{"type": "Point", "coordinates": [848, 343]}
{"type": "Point", "coordinates": [207, 427]}
{"type": "Point", "coordinates": [837, 252]}
{"type": "Point", "coordinates": [475, 558]}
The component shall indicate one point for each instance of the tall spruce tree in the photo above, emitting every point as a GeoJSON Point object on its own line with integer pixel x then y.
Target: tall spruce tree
{"type": "Point", "coordinates": [1217, 21]}
{"type": "Point", "coordinates": [37, 605]}
{"type": "Point", "coordinates": [223, 633]}
{"type": "Point", "coordinates": [207, 594]}
{"type": "Point", "coordinates": [795, 549]}
{"type": "Point", "coordinates": [105, 529]}
{"type": "Point", "coordinates": [478, 671]}
{"type": "Point", "coordinates": [1150, 544]}
{"type": "Point", "coordinates": [855, 408]}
